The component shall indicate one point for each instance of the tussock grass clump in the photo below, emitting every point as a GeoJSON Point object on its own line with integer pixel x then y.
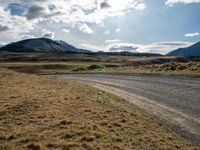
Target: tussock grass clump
{"type": "Point", "coordinates": [95, 67]}
{"type": "Point", "coordinates": [193, 67]}
{"type": "Point", "coordinates": [89, 68]}
{"type": "Point", "coordinates": [79, 69]}
{"type": "Point", "coordinates": [34, 146]}
{"type": "Point", "coordinates": [69, 146]}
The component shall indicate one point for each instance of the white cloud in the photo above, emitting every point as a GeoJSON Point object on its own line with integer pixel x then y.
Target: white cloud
{"type": "Point", "coordinates": [85, 28]}
{"type": "Point", "coordinates": [2, 43]}
{"type": "Point", "coordinates": [161, 47]}
{"type": "Point", "coordinates": [107, 32]}
{"type": "Point", "coordinates": [28, 36]}
{"type": "Point", "coordinates": [117, 30]}
{"type": "Point", "coordinates": [49, 35]}
{"type": "Point", "coordinates": [164, 47]}
{"type": "Point", "coordinates": [120, 47]}
{"type": "Point", "coordinates": [13, 27]}
{"type": "Point", "coordinates": [173, 2]}
{"type": "Point", "coordinates": [117, 8]}
{"type": "Point", "coordinates": [113, 41]}
{"type": "Point", "coordinates": [140, 6]}
{"type": "Point", "coordinates": [92, 47]}
{"type": "Point", "coordinates": [66, 30]}
{"type": "Point", "coordinates": [192, 34]}
{"type": "Point", "coordinates": [73, 11]}
{"type": "Point", "coordinates": [70, 13]}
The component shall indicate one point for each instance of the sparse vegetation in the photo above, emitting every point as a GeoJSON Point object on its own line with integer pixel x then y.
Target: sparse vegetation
{"type": "Point", "coordinates": [82, 63]}
{"type": "Point", "coordinates": [38, 112]}
{"type": "Point", "coordinates": [95, 67]}
{"type": "Point", "coordinates": [191, 69]}
{"type": "Point", "coordinates": [79, 69]}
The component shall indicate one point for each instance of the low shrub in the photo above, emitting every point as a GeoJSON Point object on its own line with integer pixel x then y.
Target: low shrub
{"type": "Point", "coordinates": [79, 69]}
{"type": "Point", "coordinates": [95, 67]}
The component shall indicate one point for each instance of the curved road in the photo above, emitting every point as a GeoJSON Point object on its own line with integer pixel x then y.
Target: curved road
{"type": "Point", "coordinates": [174, 100]}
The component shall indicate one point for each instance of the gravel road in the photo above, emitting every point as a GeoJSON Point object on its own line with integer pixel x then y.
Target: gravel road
{"type": "Point", "coordinates": [173, 100]}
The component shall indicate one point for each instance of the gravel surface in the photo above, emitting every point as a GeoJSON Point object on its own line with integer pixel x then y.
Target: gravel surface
{"type": "Point", "coordinates": [174, 100]}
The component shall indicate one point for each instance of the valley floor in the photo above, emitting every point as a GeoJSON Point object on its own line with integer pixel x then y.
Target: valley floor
{"type": "Point", "coordinates": [38, 112]}
{"type": "Point", "coordinates": [190, 69]}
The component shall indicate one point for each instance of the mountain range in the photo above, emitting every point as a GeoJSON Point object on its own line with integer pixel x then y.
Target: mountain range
{"type": "Point", "coordinates": [49, 45]}
{"type": "Point", "coordinates": [41, 45]}
{"type": "Point", "coordinates": [193, 50]}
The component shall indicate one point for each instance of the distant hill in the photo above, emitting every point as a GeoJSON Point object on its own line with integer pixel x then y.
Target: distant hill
{"type": "Point", "coordinates": [72, 48]}
{"type": "Point", "coordinates": [41, 45]}
{"type": "Point", "coordinates": [193, 50]}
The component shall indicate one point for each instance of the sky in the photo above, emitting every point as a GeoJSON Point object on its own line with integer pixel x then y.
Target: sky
{"type": "Point", "coordinates": [155, 26]}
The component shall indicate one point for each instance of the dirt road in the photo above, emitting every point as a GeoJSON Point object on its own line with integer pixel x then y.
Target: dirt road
{"type": "Point", "coordinates": [174, 100]}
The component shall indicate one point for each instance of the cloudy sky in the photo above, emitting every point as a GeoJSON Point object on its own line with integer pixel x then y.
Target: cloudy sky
{"type": "Point", "coordinates": [156, 26]}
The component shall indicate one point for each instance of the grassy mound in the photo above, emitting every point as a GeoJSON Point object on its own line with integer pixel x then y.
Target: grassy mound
{"type": "Point", "coordinates": [95, 67]}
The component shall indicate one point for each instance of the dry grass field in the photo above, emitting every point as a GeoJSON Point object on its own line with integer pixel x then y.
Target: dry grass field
{"type": "Point", "coordinates": [57, 63]}
{"type": "Point", "coordinates": [191, 69]}
{"type": "Point", "coordinates": [38, 112]}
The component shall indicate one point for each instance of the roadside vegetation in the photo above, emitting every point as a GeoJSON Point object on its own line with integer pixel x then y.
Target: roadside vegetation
{"type": "Point", "coordinates": [191, 69]}
{"type": "Point", "coordinates": [95, 67]}
{"type": "Point", "coordinates": [38, 112]}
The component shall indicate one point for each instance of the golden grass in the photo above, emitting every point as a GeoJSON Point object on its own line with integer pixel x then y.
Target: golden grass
{"type": "Point", "coordinates": [187, 69]}
{"type": "Point", "coordinates": [38, 112]}
{"type": "Point", "coordinates": [191, 69]}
